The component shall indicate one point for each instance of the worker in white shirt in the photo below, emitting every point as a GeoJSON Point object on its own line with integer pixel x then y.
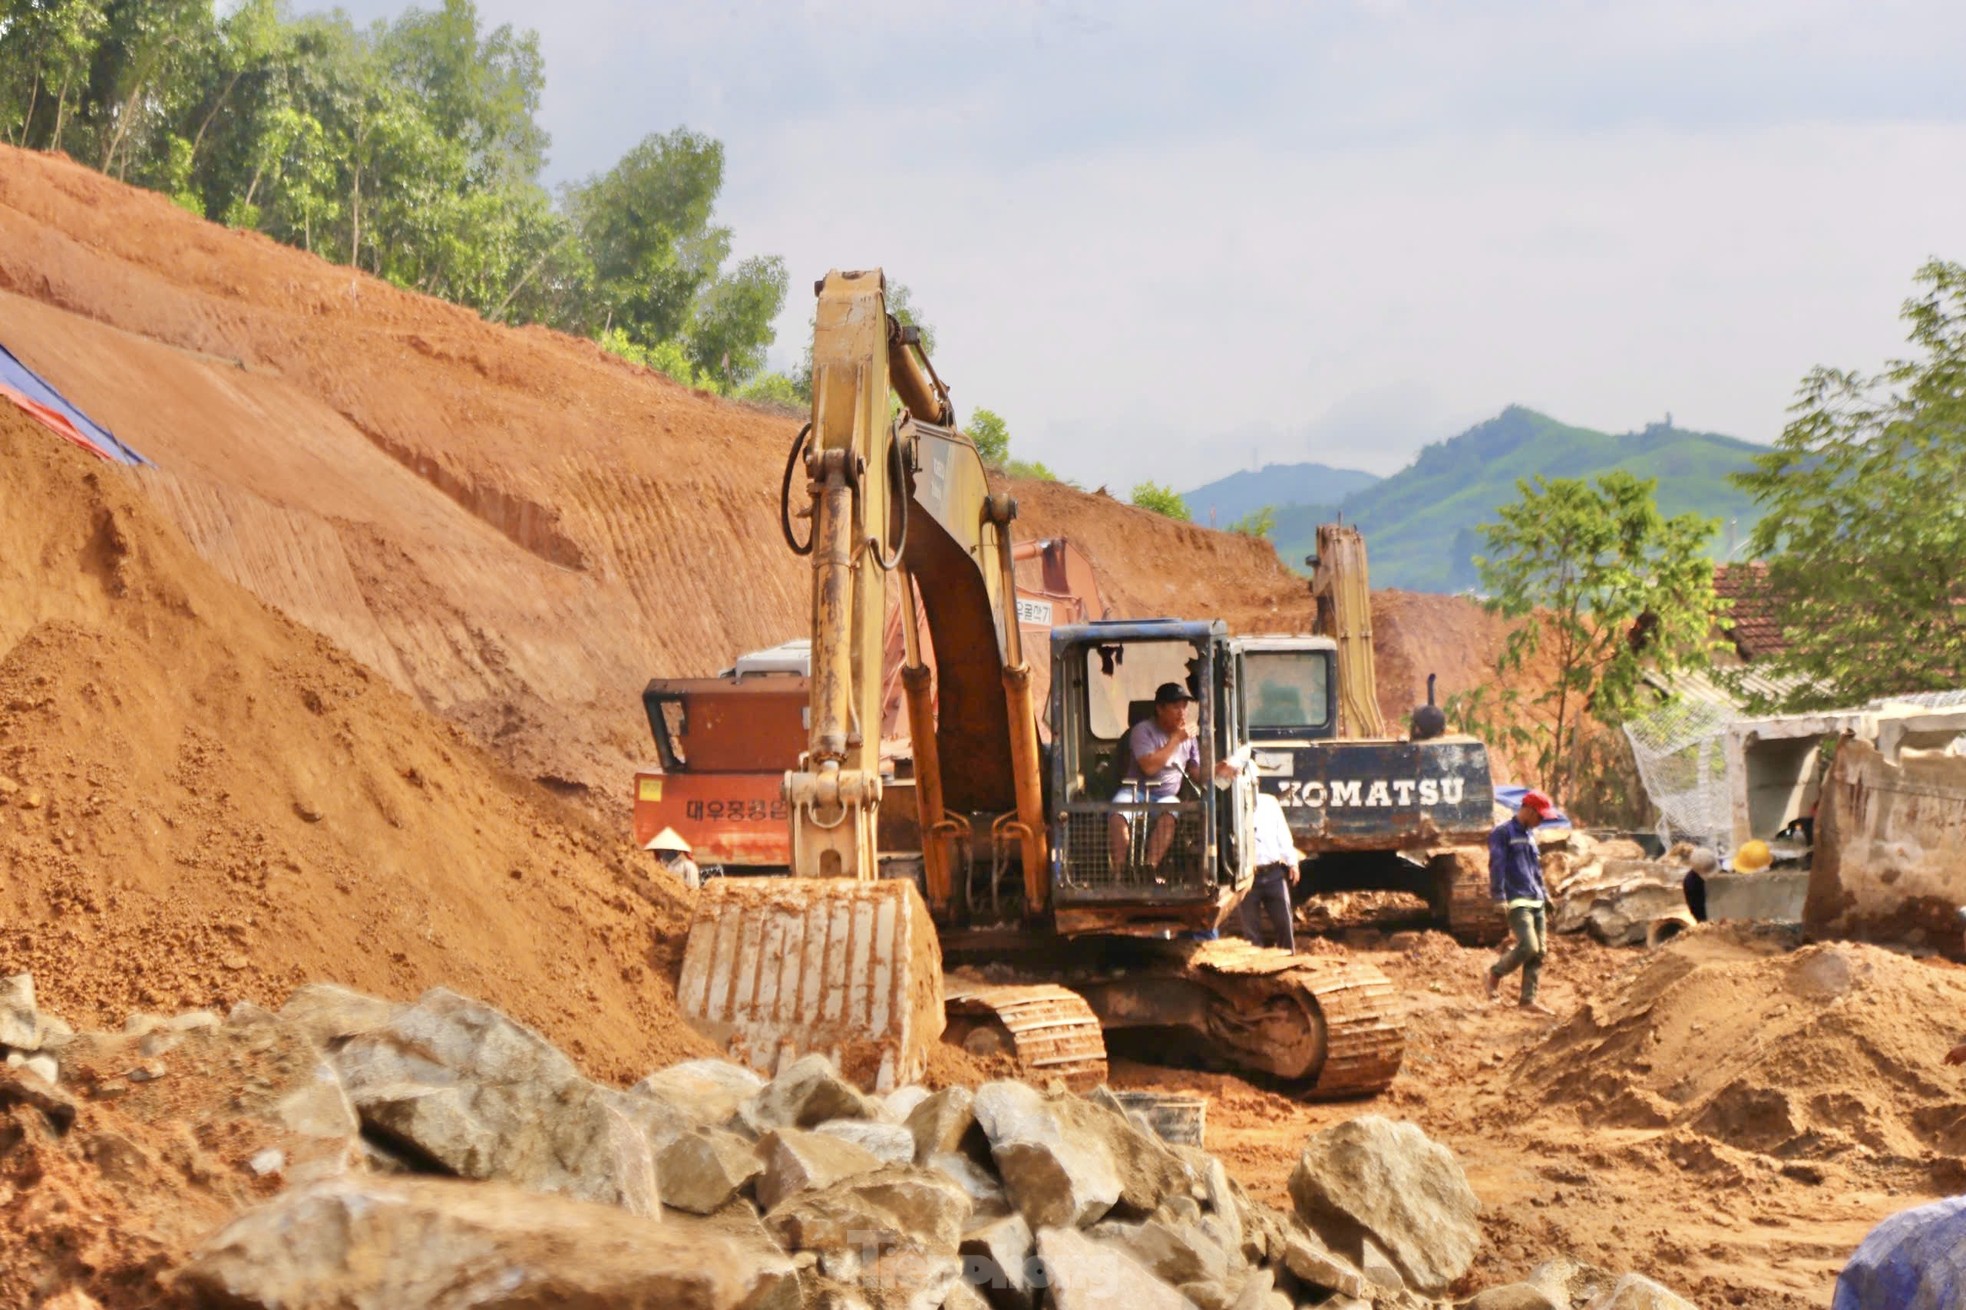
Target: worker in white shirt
{"type": "Point", "coordinates": [1277, 861]}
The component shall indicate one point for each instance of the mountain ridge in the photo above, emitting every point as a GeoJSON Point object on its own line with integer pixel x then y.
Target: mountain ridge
{"type": "Point", "coordinates": [1421, 521]}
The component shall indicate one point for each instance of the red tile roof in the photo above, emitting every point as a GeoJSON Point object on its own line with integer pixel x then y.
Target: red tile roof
{"type": "Point", "coordinates": [1751, 622]}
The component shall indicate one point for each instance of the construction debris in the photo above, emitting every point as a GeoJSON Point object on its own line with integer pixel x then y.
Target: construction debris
{"type": "Point", "coordinates": [1888, 865]}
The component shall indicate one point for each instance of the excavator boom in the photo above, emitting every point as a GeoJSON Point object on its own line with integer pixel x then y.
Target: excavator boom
{"type": "Point", "coordinates": [895, 496]}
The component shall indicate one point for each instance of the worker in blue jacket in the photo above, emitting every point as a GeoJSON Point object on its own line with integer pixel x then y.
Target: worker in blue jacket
{"type": "Point", "coordinates": [1515, 882]}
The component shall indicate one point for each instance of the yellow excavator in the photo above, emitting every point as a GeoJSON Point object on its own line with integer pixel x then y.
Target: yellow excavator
{"type": "Point", "coordinates": [1072, 919]}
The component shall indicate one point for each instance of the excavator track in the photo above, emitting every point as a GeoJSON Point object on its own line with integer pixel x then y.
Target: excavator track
{"type": "Point", "coordinates": [1461, 897]}
{"type": "Point", "coordinates": [1051, 1030]}
{"type": "Point", "coordinates": [1267, 992]}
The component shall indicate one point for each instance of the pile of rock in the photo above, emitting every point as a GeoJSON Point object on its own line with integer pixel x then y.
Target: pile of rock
{"type": "Point", "coordinates": [439, 1154]}
{"type": "Point", "coordinates": [1611, 890]}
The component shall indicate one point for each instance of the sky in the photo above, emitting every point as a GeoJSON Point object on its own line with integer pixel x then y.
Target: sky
{"type": "Point", "coordinates": [1170, 241]}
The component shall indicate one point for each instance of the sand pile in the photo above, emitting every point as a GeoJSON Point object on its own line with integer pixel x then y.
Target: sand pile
{"type": "Point", "coordinates": [1828, 1055]}
{"type": "Point", "coordinates": [201, 802]}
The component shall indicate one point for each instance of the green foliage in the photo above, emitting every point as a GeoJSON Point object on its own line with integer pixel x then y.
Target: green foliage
{"type": "Point", "coordinates": [992, 436]}
{"type": "Point", "coordinates": [1865, 516]}
{"type": "Point", "coordinates": [1614, 587]}
{"type": "Point", "coordinates": [1031, 469]}
{"type": "Point", "coordinates": [901, 304]}
{"type": "Point", "coordinates": [1257, 523]}
{"type": "Point", "coordinates": [410, 149]}
{"type": "Point", "coordinates": [774, 390]}
{"type": "Point", "coordinates": [669, 358]}
{"type": "Point", "coordinates": [646, 225]}
{"type": "Point", "coordinates": [1161, 500]}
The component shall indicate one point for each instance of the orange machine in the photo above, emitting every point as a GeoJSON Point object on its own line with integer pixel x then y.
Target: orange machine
{"type": "Point", "coordinates": [726, 742]}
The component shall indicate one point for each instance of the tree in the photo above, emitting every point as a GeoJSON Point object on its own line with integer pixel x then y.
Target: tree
{"type": "Point", "coordinates": [730, 324]}
{"type": "Point", "coordinates": [411, 149]}
{"type": "Point", "coordinates": [46, 50]}
{"type": "Point", "coordinates": [1161, 500]}
{"type": "Point", "coordinates": [901, 304]}
{"type": "Point", "coordinates": [1865, 523]}
{"type": "Point", "coordinates": [646, 226]}
{"type": "Point", "coordinates": [991, 435]}
{"type": "Point", "coordinates": [1257, 523]}
{"type": "Point", "coordinates": [1610, 584]}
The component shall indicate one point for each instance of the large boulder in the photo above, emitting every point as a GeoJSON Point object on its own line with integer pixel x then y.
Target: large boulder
{"type": "Point", "coordinates": [1053, 1176]}
{"type": "Point", "coordinates": [1315, 1264]}
{"type": "Point", "coordinates": [809, 1092]}
{"type": "Point", "coordinates": [1149, 1170]}
{"type": "Point", "coordinates": [887, 1209]}
{"type": "Point", "coordinates": [795, 1161]}
{"type": "Point", "coordinates": [329, 1014]}
{"type": "Point", "coordinates": [1177, 1252]}
{"type": "Point", "coordinates": [1084, 1274]}
{"type": "Point", "coordinates": [438, 1244]}
{"type": "Point", "coordinates": [702, 1171]}
{"type": "Point", "coordinates": [712, 1090]}
{"type": "Point", "coordinates": [942, 1122]}
{"type": "Point", "coordinates": [999, 1257]}
{"type": "Point", "coordinates": [1373, 1180]}
{"type": "Point", "coordinates": [892, 1143]}
{"type": "Point", "coordinates": [984, 1188]}
{"type": "Point", "coordinates": [486, 1098]}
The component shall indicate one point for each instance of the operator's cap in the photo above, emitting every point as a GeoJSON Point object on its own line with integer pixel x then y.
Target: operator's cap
{"type": "Point", "coordinates": [667, 840]}
{"type": "Point", "coordinates": [1170, 693]}
{"type": "Point", "coordinates": [1541, 803]}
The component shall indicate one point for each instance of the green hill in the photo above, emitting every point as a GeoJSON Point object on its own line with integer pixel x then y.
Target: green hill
{"type": "Point", "coordinates": [1274, 485]}
{"type": "Point", "coordinates": [1420, 522]}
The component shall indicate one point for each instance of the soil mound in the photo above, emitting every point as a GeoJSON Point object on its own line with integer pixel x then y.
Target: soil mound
{"type": "Point", "coordinates": [1829, 1053]}
{"type": "Point", "coordinates": [201, 802]}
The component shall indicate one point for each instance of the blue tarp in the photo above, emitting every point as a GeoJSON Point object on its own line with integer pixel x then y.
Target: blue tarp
{"type": "Point", "coordinates": [54, 409]}
{"type": "Point", "coordinates": [1511, 795]}
{"type": "Point", "coordinates": [1915, 1260]}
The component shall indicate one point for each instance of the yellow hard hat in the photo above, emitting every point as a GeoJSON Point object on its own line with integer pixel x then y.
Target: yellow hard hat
{"type": "Point", "coordinates": [1753, 857]}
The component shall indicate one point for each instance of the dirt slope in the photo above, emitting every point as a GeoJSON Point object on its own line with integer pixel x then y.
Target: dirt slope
{"type": "Point", "coordinates": [201, 802]}
{"type": "Point", "coordinates": [511, 526]}
{"type": "Point", "coordinates": [1722, 1114]}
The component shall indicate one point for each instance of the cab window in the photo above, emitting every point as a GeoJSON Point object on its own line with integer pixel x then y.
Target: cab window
{"type": "Point", "coordinates": [1121, 680]}
{"type": "Point", "coordinates": [1288, 693]}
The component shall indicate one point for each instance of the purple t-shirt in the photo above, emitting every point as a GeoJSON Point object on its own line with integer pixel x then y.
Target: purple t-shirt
{"type": "Point", "coordinates": [1146, 738]}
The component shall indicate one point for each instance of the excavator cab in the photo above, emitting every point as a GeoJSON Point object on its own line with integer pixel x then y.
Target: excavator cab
{"type": "Point", "coordinates": [1159, 864]}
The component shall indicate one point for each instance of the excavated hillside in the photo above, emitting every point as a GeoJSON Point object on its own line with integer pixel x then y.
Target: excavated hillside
{"type": "Point", "coordinates": [511, 526]}
{"type": "Point", "coordinates": [202, 802]}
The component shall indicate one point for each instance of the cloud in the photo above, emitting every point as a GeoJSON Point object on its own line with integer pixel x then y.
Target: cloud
{"type": "Point", "coordinates": [1146, 232]}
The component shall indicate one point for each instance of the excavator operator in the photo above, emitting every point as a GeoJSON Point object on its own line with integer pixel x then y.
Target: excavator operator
{"type": "Point", "coordinates": [1160, 749]}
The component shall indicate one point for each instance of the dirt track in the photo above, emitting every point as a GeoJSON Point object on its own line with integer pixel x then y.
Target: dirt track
{"type": "Point", "coordinates": [1804, 1099]}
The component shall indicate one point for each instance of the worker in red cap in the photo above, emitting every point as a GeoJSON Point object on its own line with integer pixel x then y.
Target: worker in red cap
{"type": "Point", "coordinates": [1515, 881]}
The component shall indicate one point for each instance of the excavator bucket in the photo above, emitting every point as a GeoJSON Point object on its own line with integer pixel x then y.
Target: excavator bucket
{"type": "Point", "coordinates": [777, 968]}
